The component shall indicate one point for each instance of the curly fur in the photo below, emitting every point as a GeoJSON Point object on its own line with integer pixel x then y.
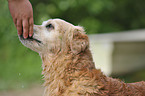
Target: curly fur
{"type": "Point", "coordinates": [69, 70]}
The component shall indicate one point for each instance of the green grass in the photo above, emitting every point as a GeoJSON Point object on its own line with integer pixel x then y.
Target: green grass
{"type": "Point", "coordinates": [19, 66]}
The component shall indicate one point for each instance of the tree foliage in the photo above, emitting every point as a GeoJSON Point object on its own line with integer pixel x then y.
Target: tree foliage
{"type": "Point", "coordinates": [97, 16]}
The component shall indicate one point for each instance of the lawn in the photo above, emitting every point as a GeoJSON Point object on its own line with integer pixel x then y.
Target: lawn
{"type": "Point", "coordinates": [19, 66]}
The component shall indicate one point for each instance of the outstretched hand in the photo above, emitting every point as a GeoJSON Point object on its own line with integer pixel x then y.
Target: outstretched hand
{"type": "Point", "coordinates": [22, 14]}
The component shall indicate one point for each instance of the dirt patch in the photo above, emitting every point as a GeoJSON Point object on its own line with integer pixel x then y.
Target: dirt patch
{"type": "Point", "coordinates": [34, 91]}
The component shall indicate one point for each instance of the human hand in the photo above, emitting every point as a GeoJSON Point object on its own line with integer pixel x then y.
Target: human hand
{"type": "Point", "coordinates": [22, 14]}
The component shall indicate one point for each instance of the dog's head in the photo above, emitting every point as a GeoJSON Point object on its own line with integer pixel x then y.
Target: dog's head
{"type": "Point", "coordinates": [57, 34]}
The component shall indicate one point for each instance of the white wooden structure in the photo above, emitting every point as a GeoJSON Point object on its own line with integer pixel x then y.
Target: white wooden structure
{"type": "Point", "coordinates": [119, 53]}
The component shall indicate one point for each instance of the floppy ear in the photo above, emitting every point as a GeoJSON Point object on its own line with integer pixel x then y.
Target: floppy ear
{"type": "Point", "coordinates": [79, 40]}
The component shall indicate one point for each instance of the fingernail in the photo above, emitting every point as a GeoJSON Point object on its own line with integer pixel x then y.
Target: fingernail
{"type": "Point", "coordinates": [30, 35]}
{"type": "Point", "coordinates": [25, 37]}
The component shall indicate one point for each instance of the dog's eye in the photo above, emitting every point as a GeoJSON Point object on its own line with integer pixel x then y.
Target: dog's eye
{"type": "Point", "coordinates": [49, 26]}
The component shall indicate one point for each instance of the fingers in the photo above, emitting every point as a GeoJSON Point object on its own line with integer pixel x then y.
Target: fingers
{"type": "Point", "coordinates": [30, 27]}
{"type": "Point", "coordinates": [19, 27]}
{"type": "Point", "coordinates": [25, 28]}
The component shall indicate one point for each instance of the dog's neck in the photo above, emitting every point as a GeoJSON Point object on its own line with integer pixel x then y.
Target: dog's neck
{"type": "Point", "coordinates": [56, 68]}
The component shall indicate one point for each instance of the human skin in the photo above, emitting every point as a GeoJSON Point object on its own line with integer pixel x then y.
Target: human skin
{"type": "Point", "coordinates": [22, 14]}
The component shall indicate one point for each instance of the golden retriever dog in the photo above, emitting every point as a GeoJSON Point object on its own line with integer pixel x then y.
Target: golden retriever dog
{"type": "Point", "coordinates": [68, 67]}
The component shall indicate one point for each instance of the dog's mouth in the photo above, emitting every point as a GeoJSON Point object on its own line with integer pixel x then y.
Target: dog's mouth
{"type": "Point", "coordinates": [30, 39]}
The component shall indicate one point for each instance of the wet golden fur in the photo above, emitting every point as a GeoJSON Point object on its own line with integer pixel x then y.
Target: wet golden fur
{"type": "Point", "coordinates": [68, 67]}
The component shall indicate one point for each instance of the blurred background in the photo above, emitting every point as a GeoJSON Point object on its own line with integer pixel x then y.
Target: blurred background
{"type": "Point", "coordinates": [20, 68]}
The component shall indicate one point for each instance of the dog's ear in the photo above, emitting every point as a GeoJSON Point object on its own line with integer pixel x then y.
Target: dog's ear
{"type": "Point", "coordinates": [79, 40]}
